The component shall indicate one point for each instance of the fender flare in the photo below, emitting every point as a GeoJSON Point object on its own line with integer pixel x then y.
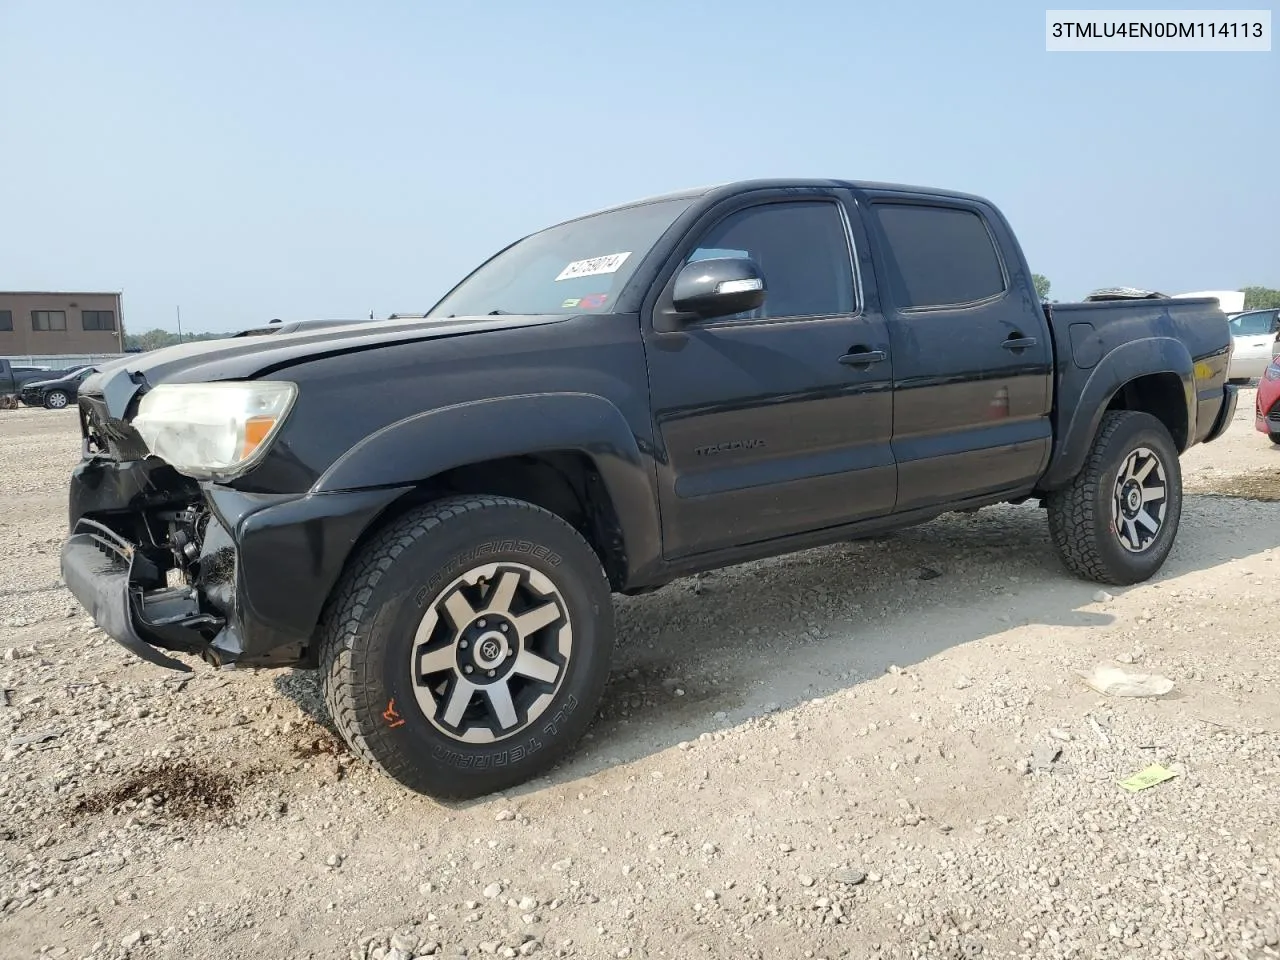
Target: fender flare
{"type": "Point", "coordinates": [1126, 363]}
{"type": "Point", "coordinates": [424, 445]}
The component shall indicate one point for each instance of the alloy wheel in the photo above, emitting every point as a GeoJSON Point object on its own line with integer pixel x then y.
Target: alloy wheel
{"type": "Point", "coordinates": [491, 652]}
{"type": "Point", "coordinates": [1140, 500]}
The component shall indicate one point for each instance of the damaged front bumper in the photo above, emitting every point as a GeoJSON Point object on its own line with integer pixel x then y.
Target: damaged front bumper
{"type": "Point", "coordinates": [266, 566]}
{"type": "Point", "coordinates": [98, 568]}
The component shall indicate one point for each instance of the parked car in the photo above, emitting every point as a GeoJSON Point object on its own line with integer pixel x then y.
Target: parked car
{"type": "Point", "coordinates": [434, 512]}
{"type": "Point", "coordinates": [13, 379]}
{"type": "Point", "coordinates": [55, 392]}
{"type": "Point", "coordinates": [1267, 402]}
{"type": "Point", "coordinates": [1253, 336]}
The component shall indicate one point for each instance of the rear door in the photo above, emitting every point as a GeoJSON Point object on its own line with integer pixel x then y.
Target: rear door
{"type": "Point", "coordinates": [765, 424]}
{"type": "Point", "coordinates": [972, 358]}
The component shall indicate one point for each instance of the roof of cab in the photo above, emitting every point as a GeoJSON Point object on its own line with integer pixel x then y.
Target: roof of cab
{"type": "Point", "coordinates": [739, 186]}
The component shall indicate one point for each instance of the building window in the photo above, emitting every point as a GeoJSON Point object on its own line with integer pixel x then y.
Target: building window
{"type": "Point", "coordinates": [44, 320]}
{"type": "Point", "coordinates": [98, 319]}
{"type": "Point", "coordinates": [6, 319]}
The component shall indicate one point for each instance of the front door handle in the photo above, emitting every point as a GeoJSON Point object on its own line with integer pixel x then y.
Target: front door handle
{"type": "Point", "coordinates": [862, 358]}
{"type": "Point", "coordinates": [1019, 343]}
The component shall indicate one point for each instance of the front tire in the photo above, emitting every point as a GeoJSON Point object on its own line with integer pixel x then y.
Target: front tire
{"type": "Point", "coordinates": [1274, 438]}
{"type": "Point", "coordinates": [467, 647]}
{"type": "Point", "coordinates": [1117, 520]}
{"type": "Point", "coordinates": [56, 400]}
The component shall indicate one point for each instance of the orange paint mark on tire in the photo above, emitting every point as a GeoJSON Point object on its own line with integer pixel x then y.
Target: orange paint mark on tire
{"type": "Point", "coordinates": [393, 719]}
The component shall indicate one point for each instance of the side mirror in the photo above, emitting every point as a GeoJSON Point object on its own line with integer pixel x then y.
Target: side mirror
{"type": "Point", "coordinates": [718, 287]}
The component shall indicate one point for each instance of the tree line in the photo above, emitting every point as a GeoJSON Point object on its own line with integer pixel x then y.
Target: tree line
{"type": "Point", "coordinates": [155, 339]}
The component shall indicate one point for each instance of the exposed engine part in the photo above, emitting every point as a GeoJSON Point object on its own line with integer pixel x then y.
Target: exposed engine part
{"type": "Point", "coordinates": [186, 537]}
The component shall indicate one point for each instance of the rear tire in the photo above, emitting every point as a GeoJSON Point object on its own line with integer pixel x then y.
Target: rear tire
{"type": "Point", "coordinates": [56, 400]}
{"type": "Point", "coordinates": [467, 647]}
{"type": "Point", "coordinates": [1117, 520]}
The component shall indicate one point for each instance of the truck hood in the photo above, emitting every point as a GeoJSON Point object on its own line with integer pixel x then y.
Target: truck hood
{"type": "Point", "coordinates": [245, 358]}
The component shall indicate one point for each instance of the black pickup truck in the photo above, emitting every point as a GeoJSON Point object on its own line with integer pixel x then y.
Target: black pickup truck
{"type": "Point", "coordinates": [435, 512]}
{"type": "Point", "coordinates": [14, 379]}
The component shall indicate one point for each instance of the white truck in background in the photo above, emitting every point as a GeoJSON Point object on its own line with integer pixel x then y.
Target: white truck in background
{"type": "Point", "coordinates": [1231, 301]}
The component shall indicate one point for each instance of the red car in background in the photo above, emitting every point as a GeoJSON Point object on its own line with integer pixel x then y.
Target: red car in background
{"type": "Point", "coordinates": [1267, 408]}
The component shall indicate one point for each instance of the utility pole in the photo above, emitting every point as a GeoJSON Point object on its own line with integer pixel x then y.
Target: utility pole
{"type": "Point", "coordinates": [179, 324]}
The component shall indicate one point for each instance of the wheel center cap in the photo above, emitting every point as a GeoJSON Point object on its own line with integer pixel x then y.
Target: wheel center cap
{"type": "Point", "coordinates": [490, 649]}
{"type": "Point", "coordinates": [1135, 499]}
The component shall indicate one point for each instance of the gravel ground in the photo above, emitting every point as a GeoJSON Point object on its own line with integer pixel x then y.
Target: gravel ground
{"type": "Point", "coordinates": [878, 749]}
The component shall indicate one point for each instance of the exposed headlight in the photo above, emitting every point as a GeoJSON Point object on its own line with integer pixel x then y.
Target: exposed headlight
{"type": "Point", "coordinates": [213, 430]}
{"type": "Point", "coordinates": [1273, 371]}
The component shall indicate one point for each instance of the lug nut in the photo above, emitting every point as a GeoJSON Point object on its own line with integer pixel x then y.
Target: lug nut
{"type": "Point", "coordinates": [504, 628]}
{"type": "Point", "coordinates": [463, 644]}
{"type": "Point", "coordinates": [480, 624]}
{"type": "Point", "coordinates": [466, 669]}
{"type": "Point", "coordinates": [492, 673]}
{"type": "Point", "coordinates": [510, 652]}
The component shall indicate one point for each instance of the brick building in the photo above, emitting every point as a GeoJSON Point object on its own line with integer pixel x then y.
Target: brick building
{"type": "Point", "coordinates": [46, 324]}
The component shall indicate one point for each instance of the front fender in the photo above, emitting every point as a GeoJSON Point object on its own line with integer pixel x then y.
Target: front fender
{"type": "Point", "coordinates": [1127, 362]}
{"type": "Point", "coordinates": [426, 444]}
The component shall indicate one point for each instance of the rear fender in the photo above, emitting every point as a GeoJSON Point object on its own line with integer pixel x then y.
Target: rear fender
{"type": "Point", "coordinates": [419, 447]}
{"type": "Point", "coordinates": [1124, 364]}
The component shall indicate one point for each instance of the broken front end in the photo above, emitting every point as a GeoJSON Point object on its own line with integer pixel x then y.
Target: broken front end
{"type": "Point", "coordinates": [166, 562]}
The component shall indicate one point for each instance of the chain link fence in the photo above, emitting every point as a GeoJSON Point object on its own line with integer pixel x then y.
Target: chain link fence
{"type": "Point", "coordinates": [61, 361]}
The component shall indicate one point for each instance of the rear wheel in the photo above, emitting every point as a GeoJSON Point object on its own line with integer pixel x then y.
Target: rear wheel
{"type": "Point", "coordinates": [55, 399]}
{"type": "Point", "coordinates": [1117, 520]}
{"type": "Point", "coordinates": [467, 647]}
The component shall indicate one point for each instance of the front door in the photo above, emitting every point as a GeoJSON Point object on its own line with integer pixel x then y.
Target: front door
{"type": "Point", "coordinates": [972, 358]}
{"type": "Point", "coordinates": [1253, 335]}
{"type": "Point", "coordinates": [765, 424]}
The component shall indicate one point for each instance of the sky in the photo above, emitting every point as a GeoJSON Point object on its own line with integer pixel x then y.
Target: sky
{"type": "Point", "coordinates": [251, 159]}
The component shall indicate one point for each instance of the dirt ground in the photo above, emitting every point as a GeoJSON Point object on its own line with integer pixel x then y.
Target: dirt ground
{"type": "Point", "coordinates": [877, 749]}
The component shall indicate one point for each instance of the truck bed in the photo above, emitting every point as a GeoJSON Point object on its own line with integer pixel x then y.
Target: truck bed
{"type": "Point", "coordinates": [1084, 333]}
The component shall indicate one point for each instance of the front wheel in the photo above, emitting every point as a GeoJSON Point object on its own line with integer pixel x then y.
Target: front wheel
{"type": "Point", "coordinates": [1117, 520]}
{"type": "Point", "coordinates": [468, 645]}
{"type": "Point", "coordinates": [1274, 437]}
{"type": "Point", "coordinates": [55, 400]}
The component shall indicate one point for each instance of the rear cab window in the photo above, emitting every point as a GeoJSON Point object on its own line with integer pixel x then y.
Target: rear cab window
{"type": "Point", "coordinates": [938, 255]}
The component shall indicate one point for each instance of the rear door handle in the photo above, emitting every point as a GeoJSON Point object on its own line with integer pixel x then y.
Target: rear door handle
{"type": "Point", "coordinates": [863, 358]}
{"type": "Point", "coordinates": [1019, 343]}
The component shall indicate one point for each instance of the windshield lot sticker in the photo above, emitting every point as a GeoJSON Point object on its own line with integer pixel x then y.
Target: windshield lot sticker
{"type": "Point", "coordinates": [593, 267]}
{"type": "Point", "coordinates": [570, 302]}
{"type": "Point", "coordinates": [593, 301]}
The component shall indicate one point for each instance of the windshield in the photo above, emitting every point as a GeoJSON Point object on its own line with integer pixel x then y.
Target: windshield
{"type": "Point", "coordinates": [574, 267]}
{"type": "Point", "coordinates": [1253, 324]}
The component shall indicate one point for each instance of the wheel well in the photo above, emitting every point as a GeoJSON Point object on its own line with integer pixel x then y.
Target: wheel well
{"type": "Point", "coordinates": [564, 483]}
{"type": "Point", "coordinates": [1162, 396]}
